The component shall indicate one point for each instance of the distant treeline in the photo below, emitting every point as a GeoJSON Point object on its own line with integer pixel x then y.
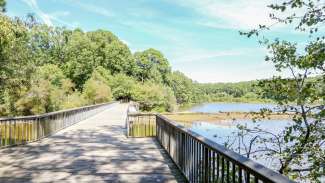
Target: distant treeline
{"type": "Point", "coordinates": [247, 91]}
{"type": "Point", "coordinates": [43, 69]}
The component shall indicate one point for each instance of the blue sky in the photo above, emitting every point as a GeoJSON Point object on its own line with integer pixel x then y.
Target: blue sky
{"type": "Point", "coordinates": [199, 37]}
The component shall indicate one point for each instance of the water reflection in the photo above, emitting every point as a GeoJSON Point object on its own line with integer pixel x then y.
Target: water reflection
{"type": "Point", "coordinates": [225, 132]}
{"type": "Point", "coordinates": [219, 131]}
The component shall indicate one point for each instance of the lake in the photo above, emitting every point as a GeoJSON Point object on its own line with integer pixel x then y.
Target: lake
{"type": "Point", "coordinates": [219, 132]}
{"type": "Point", "coordinates": [223, 132]}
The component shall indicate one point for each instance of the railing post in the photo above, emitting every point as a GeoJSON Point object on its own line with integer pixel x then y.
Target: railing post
{"type": "Point", "coordinates": [182, 150]}
{"type": "Point", "coordinates": [168, 132]}
{"type": "Point", "coordinates": [127, 125]}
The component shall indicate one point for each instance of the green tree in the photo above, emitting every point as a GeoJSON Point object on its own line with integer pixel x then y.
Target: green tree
{"type": "Point", "coordinates": [123, 87]}
{"type": "Point", "coordinates": [2, 6]}
{"type": "Point", "coordinates": [73, 100]}
{"type": "Point", "coordinates": [49, 88]}
{"type": "Point", "coordinates": [118, 58]}
{"type": "Point", "coordinates": [15, 65]}
{"type": "Point", "coordinates": [153, 97]}
{"type": "Point", "coordinates": [48, 44]}
{"type": "Point", "coordinates": [182, 87]}
{"type": "Point", "coordinates": [96, 89]}
{"type": "Point", "coordinates": [80, 58]}
{"type": "Point", "coordinates": [170, 100]}
{"type": "Point", "coordinates": [151, 65]}
{"type": "Point", "coordinates": [33, 56]}
{"type": "Point", "coordinates": [113, 55]}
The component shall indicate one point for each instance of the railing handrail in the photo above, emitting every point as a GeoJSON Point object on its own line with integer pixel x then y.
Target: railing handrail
{"type": "Point", "coordinates": [141, 114]}
{"type": "Point", "coordinates": [261, 171]}
{"type": "Point", "coordinates": [25, 129]}
{"type": "Point", "coordinates": [53, 113]}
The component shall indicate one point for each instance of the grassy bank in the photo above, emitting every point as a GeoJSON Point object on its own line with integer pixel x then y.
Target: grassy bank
{"type": "Point", "coordinates": [217, 117]}
{"type": "Point", "coordinates": [187, 106]}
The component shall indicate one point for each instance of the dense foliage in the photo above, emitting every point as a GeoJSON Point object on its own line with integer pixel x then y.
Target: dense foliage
{"type": "Point", "coordinates": [44, 68]}
{"type": "Point", "coordinates": [2, 5]}
{"type": "Point", "coordinates": [246, 91]}
{"type": "Point", "coordinates": [299, 150]}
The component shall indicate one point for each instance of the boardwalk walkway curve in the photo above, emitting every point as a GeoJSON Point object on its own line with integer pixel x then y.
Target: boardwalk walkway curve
{"type": "Point", "coordinates": [93, 150]}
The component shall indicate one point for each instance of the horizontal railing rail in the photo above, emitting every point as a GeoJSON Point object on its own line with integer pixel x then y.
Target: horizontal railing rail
{"type": "Point", "coordinates": [24, 129]}
{"type": "Point", "coordinates": [201, 159]}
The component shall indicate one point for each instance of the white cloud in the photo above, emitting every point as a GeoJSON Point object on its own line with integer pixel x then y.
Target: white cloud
{"type": "Point", "coordinates": [206, 55]}
{"type": "Point", "coordinates": [234, 14]}
{"type": "Point", "coordinates": [48, 18]}
{"type": "Point", "coordinates": [60, 14]}
{"type": "Point", "coordinates": [45, 17]}
{"type": "Point", "coordinates": [243, 72]}
{"type": "Point", "coordinates": [226, 75]}
{"type": "Point", "coordinates": [94, 9]}
{"type": "Point", "coordinates": [56, 17]}
{"type": "Point", "coordinates": [200, 55]}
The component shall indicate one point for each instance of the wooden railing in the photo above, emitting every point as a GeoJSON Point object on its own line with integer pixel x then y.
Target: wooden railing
{"type": "Point", "coordinates": [21, 130]}
{"type": "Point", "coordinates": [141, 125]}
{"type": "Point", "coordinates": [198, 158]}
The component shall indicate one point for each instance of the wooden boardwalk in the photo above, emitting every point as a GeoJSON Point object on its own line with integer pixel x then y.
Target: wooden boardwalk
{"type": "Point", "coordinates": [95, 150]}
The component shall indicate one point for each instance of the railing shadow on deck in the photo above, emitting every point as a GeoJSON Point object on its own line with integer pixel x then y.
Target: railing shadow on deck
{"type": "Point", "coordinates": [21, 130]}
{"type": "Point", "coordinates": [198, 158]}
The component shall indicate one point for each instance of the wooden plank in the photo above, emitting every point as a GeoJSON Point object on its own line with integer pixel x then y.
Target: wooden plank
{"type": "Point", "coordinates": [94, 150]}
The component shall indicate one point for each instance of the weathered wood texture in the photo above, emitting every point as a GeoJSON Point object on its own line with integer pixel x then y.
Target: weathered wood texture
{"type": "Point", "coordinates": [200, 159]}
{"type": "Point", "coordinates": [94, 150]}
{"type": "Point", "coordinates": [203, 160]}
{"type": "Point", "coordinates": [25, 129]}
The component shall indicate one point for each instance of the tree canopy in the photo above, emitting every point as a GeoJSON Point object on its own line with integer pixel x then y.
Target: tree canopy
{"type": "Point", "coordinates": [39, 63]}
{"type": "Point", "coordinates": [2, 5]}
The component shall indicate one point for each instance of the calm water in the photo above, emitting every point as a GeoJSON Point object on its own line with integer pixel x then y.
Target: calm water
{"type": "Point", "coordinates": [218, 132]}
{"type": "Point", "coordinates": [221, 132]}
{"type": "Point", "coordinates": [230, 107]}
{"type": "Point", "coordinates": [224, 131]}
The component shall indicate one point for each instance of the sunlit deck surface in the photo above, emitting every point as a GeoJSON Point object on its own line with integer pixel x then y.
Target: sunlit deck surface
{"type": "Point", "coordinates": [94, 150]}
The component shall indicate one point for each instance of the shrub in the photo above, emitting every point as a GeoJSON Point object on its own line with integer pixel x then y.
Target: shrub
{"type": "Point", "coordinates": [96, 89]}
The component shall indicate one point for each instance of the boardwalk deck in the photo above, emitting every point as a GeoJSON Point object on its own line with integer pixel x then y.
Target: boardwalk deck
{"type": "Point", "coordinates": [94, 150]}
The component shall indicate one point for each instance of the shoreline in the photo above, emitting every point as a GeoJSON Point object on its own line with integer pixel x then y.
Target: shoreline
{"type": "Point", "coordinates": [220, 117]}
{"type": "Point", "coordinates": [184, 108]}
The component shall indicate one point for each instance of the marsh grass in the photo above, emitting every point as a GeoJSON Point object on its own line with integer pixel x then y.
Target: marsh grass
{"type": "Point", "coordinates": [218, 117]}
